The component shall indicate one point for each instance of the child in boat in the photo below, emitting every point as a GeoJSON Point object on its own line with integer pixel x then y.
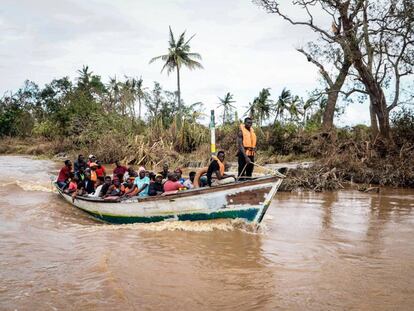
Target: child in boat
{"type": "Point", "coordinates": [156, 186]}
{"type": "Point", "coordinates": [73, 184]}
{"type": "Point", "coordinates": [188, 183]}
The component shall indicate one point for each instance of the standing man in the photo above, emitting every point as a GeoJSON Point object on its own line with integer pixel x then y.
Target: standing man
{"type": "Point", "coordinates": [246, 143]}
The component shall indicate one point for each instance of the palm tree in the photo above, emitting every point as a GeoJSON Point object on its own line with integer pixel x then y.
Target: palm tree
{"type": "Point", "coordinates": [294, 108]}
{"type": "Point", "coordinates": [282, 104]}
{"type": "Point", "coordinates": [114, 90]}
{"type": "Point", "coordinates": [141, 94]}
{"type": "Point", "coordinates": [307, 105]}
{"type": "Point", "coordinates": [262, 105]}
{"type": "Point", "coordinates": [178, 55]}
{"type": "Point", "coordinates": [85, 76]}
{"type": "Point", "coordinates": [226, 103]}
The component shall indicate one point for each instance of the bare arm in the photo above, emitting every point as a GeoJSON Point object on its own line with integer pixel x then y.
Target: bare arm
{"type": "Point", "coordinates": [143, 187]}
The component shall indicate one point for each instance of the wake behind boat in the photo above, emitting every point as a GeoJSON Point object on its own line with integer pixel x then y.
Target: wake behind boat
{"type": "Point", "coordinates": [247, 200]}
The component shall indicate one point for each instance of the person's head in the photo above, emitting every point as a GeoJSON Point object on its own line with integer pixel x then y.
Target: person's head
{"type": "Point", "coordinates": [81, 158]}
{"type": "Point", "coordinates": [165, 167]}
{"type": "Point", "coordinates": [108, 180]}
{"type": "Point", "coordinates": [130, 170]}
{"type": "Point", "coordinates": [75, 179]}
{"type": "Point", "coordinates": [88, 173]}
{"type": "Point", "coordinates": [117, 163]}
{"type": "Point", "coordinates": [158, 178]}
{"type": "Point", "coordinates": [192, 176]}
{"type": "Point", "coordinates": [120, 177]}
{"type": "Point", "coordinates": [172, 177]}
{"type": "Point", "coordinates": [117, 182]}
{"type": "Point", "coordinates": [99, 163]}
{"type": "Point", "coordinates": [92, 158]}
{"type": "Point", "coordinates": [178, 172]}
{"type": "Point", "coordinates": [81, 170]}
{"type": "Point", "coordinates": [68, 163]}
{"type": "Point", "coordinates": [71, 175]}
{"type": "Point", "coordinates": [248, 122]}
{"type": "Point", "coordinates": [93, 166]}
{"type": "Point", "coordinates": [221, 156]}
{"type": "Point", "coordinates": [141, 172]}
{"type": "Point", "coordinates": [151, 176]}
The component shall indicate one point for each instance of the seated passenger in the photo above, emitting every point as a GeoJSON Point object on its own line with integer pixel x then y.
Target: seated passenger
{"type": "Point", "coordinates": [130, 173]}
{"type": "Point", "coordinates": [156, 187]}
{"type": "Point", "coordinates": [64, 174]}
{"type": "Point", "coordinates": [80, 174]}
{"type": "Point", "coordinates": [119, 169]}
{"type": "Point", "coordinates": [188, 183]}
{"type": "Point", "coordinates": [172, 184]}
{"type": "Point", "coordinates": [179, 174]}
{"type": "Point", "coordinates": [141, 182]}
{"type": "Point", "coordinates": [114, 190]}
{"type": "Point", "coordinates": [105, 186]}
{"type": "Point", "coordinates": [73, 184]}
{"type": "Point", "coordinates": [164, 171]}
{"type": "Point", "coordinates": [217, 167]}
{"type": "Point", "coordinates": [87, 186]}
{"type": "Point", "coordinates": [127, 186]}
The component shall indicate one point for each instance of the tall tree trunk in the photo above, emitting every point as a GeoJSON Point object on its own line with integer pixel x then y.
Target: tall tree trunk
{"type": "Point", "coordinates": [333, 93]}
{"type": "Point", "coordinates": [178, 90]}
{"type": "Point", "coordinates": [375, 91]}
{"type": "Point", "coordinates": [374, 122]}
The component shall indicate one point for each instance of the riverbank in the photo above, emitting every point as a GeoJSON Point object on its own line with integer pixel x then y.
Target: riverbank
{"type": "Point", "coordinates": [340, 164]}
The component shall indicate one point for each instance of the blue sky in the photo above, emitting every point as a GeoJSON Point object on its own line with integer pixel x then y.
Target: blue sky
{"type": "Point", "coordinates": [243, 48]}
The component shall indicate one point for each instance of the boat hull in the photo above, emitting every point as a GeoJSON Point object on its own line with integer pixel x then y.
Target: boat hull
{"type": "Point", "coordinates": [246, 200]}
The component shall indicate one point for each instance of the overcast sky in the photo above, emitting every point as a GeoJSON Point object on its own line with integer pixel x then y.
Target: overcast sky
{"type": "Point", "coordinates": [243, 48]}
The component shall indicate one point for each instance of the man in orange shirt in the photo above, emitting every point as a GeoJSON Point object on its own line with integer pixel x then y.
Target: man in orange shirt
{"type": "Point", "coordinates": [246, 145]}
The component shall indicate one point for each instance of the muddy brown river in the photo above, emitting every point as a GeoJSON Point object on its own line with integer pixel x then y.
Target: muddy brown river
{"type": "Point", "coordinates": [316, 251]}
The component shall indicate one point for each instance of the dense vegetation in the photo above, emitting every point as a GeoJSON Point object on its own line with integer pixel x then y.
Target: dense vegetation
{"type": "Point", "coordinates": [90, 116]}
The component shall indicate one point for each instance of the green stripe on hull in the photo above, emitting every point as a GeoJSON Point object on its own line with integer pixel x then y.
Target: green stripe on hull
{"type": "Point", "coordinates": [248, 214]}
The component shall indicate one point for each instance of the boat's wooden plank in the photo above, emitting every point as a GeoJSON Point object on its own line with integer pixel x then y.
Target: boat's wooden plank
{"type": "Point", "coordinates": [251, 197]}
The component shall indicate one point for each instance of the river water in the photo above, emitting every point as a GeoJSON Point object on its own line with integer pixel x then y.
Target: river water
{"type": "Point", "coordinates": [316, 251]}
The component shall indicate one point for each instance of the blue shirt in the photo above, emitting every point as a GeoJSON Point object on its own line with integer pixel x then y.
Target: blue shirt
{"type": "Point", "coordinates": [140, 182]}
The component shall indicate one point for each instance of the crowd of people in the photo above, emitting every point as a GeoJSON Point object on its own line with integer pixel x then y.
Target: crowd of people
{"type": "Point", "coordinates": [90, 177]}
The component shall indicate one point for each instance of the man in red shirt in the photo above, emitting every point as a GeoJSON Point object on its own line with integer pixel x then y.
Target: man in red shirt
{"type": "Point", "coordinates": [64, 175]}
{"type": "Point", "coordinates": [119, 171]}
{"type": "Point", "coordinates": [100, 171]}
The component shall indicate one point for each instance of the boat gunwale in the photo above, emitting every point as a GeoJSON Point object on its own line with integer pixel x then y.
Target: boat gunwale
{"type": "Point", "coordinates": [181, 194]}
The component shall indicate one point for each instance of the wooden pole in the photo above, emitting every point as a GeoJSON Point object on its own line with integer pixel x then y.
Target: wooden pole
{"type": "Point", "coordinates": [212, 133]}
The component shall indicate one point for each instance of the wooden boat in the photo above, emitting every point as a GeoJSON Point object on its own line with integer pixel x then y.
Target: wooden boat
{"type": "Point", "coordinates": [248, 200]}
